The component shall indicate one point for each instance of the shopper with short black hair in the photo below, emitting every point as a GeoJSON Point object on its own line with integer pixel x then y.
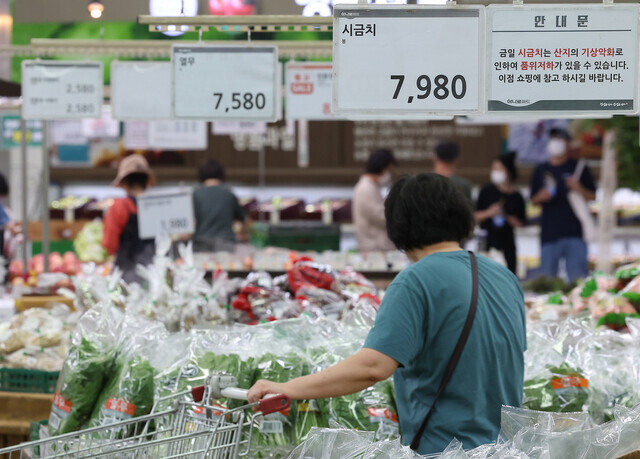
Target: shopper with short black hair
{"type": "Point", "coordinates": [424, 312]}
{"type": "Point", "coordinates": [121, 232]}
{"type": "Point", "coordinates": [368, 203]}
{"type": "Point", "coordinates": [216, 209]}
{"type": "Point", "coordinates": [445, 163]}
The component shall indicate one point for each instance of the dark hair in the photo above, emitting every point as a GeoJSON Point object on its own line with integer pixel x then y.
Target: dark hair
{"type": "Point", "coordinates": [426, 209]}
{"type": "Point", "coordinates": [4, 185]}
{"type": "Point", "coordinates": [559, 133]}
{"type": "Point", "coordinates": [447, 151]}
{"type": "Point", "coordinates": [508, 160]}
{"type": "Point", "coordinates": [136, 180]}
{"type": "Point", "coordinates": [379, 160]}
{"type": "Point", "coordinates": [212, 169]}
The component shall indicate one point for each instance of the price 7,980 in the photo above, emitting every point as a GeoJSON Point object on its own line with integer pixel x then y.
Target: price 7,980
{"type": "Point", "coordinates": [441, 87]}
{"type": "Point", "coordinates": [246, 101]}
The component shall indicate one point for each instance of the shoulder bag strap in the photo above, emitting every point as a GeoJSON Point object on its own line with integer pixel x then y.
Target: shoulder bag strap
{"type": "Point", "coordinates": [457, 352]}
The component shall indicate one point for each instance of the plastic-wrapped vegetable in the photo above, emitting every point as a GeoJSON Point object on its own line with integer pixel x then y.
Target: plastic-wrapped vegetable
{"type": "Point", "coordinates": [560, 389]}
{"type": "Point", "coordinates": [86, 367]}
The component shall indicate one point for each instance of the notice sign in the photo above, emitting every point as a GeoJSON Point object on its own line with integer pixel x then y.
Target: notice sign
{"type": "Point", "coordinates": [309, 91]}
{"type": "Point", "coordinates": [165, 212]}
{"type": "Point", "coordinates": [12, 132]}
{"type": "Point", "coordinates": [226, 82]}
{"type": "Point", "coordinates": [562, 59]}
{"type": "Point", "coordinates": [61, 90]}
{"type": "Point", "coordinates": [407, 60]}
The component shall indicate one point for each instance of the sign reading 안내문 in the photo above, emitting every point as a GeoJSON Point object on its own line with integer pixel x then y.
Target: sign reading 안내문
{"type": "Point", "coordinates": [61, 90]}
{"type": "Point", "coordinates": [407, 60]}
{"type": "Point", "coordinates": [226, 82]}
{"type": "Point", "coordinates": [562, 59]}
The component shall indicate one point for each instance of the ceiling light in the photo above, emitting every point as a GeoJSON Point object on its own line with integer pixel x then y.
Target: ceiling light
{"type": "Point", "coordinates": [95, 9]}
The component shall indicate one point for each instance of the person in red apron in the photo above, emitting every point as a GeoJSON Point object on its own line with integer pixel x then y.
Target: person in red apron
{"type": "Point", "coordinates": [120, 237]}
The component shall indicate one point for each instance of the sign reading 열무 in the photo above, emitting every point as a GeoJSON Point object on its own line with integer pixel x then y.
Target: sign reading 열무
{"type": "Point", "coordinates": [407, 60]}
{"type": "Point", "coordinates": [567, 59]}
{"type": "Point", "coordinates": [165, 212]}
{"type": "Point", "coordinates": [309, 90]}
{"type": "Point", "coordinates": [226, 82]}
{"type": "Point", "coordinates": [61, 90]}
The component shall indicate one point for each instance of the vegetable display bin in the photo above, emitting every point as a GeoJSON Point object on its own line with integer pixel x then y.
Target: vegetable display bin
{"type": "Point", "coordinates": [302, 236]}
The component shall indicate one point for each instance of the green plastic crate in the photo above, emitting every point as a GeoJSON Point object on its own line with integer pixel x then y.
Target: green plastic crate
{"type": "Point", "coordinates": [54, 246]}
{"type": "Point", "coordinates": [34, 381]}
{"type": "Point", "coordinates": [302, 236]}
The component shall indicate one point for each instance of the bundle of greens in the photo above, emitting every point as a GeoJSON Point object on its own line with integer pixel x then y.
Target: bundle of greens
{"type": "Point", "coordinates": [561, 389]}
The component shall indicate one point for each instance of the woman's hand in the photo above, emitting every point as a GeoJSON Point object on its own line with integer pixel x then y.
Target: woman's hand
{"type": "Point", "coordinates": [262, 388]}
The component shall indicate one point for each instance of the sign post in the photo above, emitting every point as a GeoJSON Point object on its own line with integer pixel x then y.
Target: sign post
{"type": "Point", "coordinates": [554, 60]}
{"type": "Point", "coordinates": [407, 60]}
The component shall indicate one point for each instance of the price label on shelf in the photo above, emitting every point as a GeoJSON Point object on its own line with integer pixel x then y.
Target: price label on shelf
{"type": "Point", "coordinates": [61, 90]}
{"type": "Point", "coordinates": [562, 59]}
{"type": "Point", "coordinates": [309, 90]}
{"type": "Point", "coordinates": [141, 90]}
{"type": "Point", "coordinates": [407, 60]}
{"type": "Point", "coordinates": [226, 82]}
{"type": "Point", "coordinates": [165, 212]}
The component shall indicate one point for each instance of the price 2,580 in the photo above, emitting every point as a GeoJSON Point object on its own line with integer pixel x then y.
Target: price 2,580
{"type": "Point", "coordinates": [442, 87]}
{"type": "Point", "coordinates": [246, 101]}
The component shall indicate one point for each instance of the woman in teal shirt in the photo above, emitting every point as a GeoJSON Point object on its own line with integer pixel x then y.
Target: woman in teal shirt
{"type": "Point", "coordinates": [420, 321]}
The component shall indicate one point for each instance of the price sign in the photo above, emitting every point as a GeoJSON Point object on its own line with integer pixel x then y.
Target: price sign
{"type": "Point", "coordinates": [226, 82]}
{"type": "Point", "coordinates": [562, 59]}
{"type": "Point", "coordinates": [309, 91]}
{"type": "Point", "coordinates": [61, 90]}
{"type": "Point", "coordinates": [141, 90]}
{"type": "Point", "coordinates": [165, 212]}
{"type": "Point", "coordinates": [407, 60]}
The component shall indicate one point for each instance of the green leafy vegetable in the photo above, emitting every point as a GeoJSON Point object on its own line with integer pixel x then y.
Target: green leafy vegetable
{"type": "Point", "coordinates": [616, 319]}
{"type": "Point", "coordinates": [589, 288]}
{"type": "Point", "coordinates": [555, 299]}
{"type": "Point", "coordinates": [563, 389]}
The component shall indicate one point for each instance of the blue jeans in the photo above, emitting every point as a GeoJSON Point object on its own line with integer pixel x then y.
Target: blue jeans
{"type": "Point", "coordinates": [574, 252]}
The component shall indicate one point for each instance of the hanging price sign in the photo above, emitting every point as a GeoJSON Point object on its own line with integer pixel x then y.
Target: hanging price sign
{"type": "Point", "coordinates": [562, 59]}
{"type": "Point", "coordinates": [61, 90]}
{"type": "Point", "coordinates": [407, 60]}
{"type": "Point", "coordinates": [309, 91]}
{"type": "Point", "coordinates": [141, 90]}
{"type": "Point", "coordinates": [226, 82]}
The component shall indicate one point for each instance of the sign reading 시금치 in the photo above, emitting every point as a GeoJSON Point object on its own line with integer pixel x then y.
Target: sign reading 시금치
{"type": "Point", "coordinates": [226, 82]}
{"type": "Point", "coordinates": [309, 90]}
{"type": "Point", "coordinates": [407, 60]}
{"type": "Point", "coordinates": [562, 58]}
{"type": "Point", "coordinates": [61, 90]}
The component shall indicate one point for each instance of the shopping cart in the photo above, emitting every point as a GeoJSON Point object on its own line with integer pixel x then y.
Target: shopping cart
{"type": "Point", "coordinates": [176, 427]}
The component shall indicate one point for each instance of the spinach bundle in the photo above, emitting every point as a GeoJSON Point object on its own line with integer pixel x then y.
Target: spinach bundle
{"type": "Point", "coordinates": [561, 389]}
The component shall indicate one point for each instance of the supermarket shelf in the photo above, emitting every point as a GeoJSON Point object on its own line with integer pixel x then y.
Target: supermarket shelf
{"type": "Point", "coordinates": [259, 23]}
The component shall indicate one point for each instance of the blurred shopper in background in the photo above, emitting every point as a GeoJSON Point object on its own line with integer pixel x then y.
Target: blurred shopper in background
{"type": "Point", "coordinates": [368, 202]}
{"type": "Point", "coordinates": [501, 208]}
{"type": "Point", "coordinates": [445, 163]}
{"type": "Point", "coordinates": [120, 236]}
{"type": "Point", "coordinates": [216, 209]}
{"type": "Point", "coordinates": [562, 186]}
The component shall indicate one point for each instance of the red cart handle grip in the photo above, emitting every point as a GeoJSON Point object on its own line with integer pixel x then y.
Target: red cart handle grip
{"type": "Point", "coordinates": [274, 404]}
{"type": "Point", "coordinates": [197, 393]}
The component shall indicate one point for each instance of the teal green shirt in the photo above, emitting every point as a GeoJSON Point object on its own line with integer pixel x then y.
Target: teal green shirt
{"type": "Point", "coordinates": [419, 323]}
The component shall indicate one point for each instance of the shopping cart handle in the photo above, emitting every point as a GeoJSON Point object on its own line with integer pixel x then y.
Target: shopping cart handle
{"type": "Point", "coordinates": [272, 404]}
{"type": "Point", "coordinates": [197, 393]}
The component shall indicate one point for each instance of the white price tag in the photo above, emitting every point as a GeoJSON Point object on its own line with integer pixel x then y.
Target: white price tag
{"type": "Point", "coordinates": [61, 90]}
{"type": "Point", "coordinates": [226, 82]}
{"type": "Point", "coordinates": [562, 59]}
{"type": "Point", "coordinates": [407, 60]}
{"type": "Point", "coordinates": [309, 91]}
{"type": "Point", "coordinates": [165, 212]}
{"type": "Point", "coordinates": [141, 90]}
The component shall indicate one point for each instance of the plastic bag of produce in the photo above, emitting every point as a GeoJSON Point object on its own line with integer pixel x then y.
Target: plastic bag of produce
{"type": "Point", "coordinates": [558, 389]}
{"type": "Point", "coordinates": [333, 444]}
{"type": "Point", "coordinates": [320, 302]}
{"type": "Point", "coordinates": [129, 388]}
{"type": "Point", "coordinates": [306, 273]}
{"type": "Point", "coordinates": [86, 367]}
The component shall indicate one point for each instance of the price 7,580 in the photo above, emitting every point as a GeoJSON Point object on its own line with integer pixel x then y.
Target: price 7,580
{"type": "Point", "coordinates": [246, 101]}
{"type": "Point", "coordinates": [441, 87]}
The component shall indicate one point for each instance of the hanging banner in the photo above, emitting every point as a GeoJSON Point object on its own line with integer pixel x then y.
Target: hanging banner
{"type": "Point", "coordinates": [68, 132]}
{"type": "Point", "coordinates": [61, 90]}
{"type": "Point", "coordinates": [238, 127]}
{"type": "Point", "coordinates": [141, 90]}
{"type": "Point", "coordinates": [568, 59]}
{"type": "Point", "coordinates": [136, 135]}
{"type": "Point", "coordinates": [226, 82]}
{"type": "Point", "coordinates": [103, 127]}
{"type": "Point", "coordinates": [178, 135]}
{"type": "Point", "coordinates": [309, 91]}
{"type": "Point", "coordinates": [407, 60]}
{"type": "Point", "coordinates": [12, 134]}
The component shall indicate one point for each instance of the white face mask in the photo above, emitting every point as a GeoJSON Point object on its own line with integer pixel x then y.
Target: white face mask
{"type": "Point", "coordinates": [385, 179]}
{"type": "Point", "coordinates": [498, 177]}
{"type": "Point", "coordinates": [556, 147]}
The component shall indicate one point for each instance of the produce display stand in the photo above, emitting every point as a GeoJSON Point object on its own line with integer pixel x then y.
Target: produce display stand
{"type": "Point", "coordinates": [18, 411]}
{"type": "Point", "coordinates": [41, 301]}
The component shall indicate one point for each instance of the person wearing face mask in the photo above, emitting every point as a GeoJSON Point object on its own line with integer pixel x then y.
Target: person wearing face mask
{"type": "Point", "coordinates": [562, 233]}
{"type": "Point", "coordinates": [501, 208]}
{"type": "Point", "coordinates": [368, 203]}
